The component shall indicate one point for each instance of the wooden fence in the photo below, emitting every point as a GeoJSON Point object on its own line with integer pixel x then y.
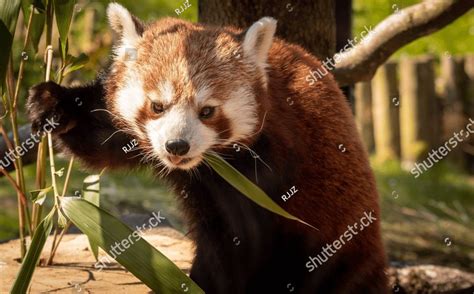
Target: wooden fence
{"type": "Point", "coordinates": [414, 105]}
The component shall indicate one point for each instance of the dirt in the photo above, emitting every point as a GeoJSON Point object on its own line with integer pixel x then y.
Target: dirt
{"type": "Point", "coordinates": [74, 272]}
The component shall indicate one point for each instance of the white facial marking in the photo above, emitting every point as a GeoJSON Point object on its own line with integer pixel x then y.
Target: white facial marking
{"type": "Point", "coordinates": [180, 122]}
{"type": "Point", "coordinates": [203, 94]}
{"type": "Point", "coordinates": [130, 99]}
{"type": "Point", "coordinates": [167, 92]}
{"type": "Point", "coordinates": [241, 110]}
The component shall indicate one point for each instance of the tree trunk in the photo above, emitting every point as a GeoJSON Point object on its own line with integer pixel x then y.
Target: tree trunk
{"type": "Point", "coordinates": [311, 24]}
{"type": "Point", "coordinates": [452, 85]}
{"type": "Point", "coordinates": [343, 35]}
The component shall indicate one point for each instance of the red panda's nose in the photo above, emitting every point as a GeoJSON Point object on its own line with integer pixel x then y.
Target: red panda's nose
{"type": "Point", "coordinates": [177, 147]}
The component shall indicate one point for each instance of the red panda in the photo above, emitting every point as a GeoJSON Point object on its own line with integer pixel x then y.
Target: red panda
{"type": "Point", "coordinates": [182, 89]}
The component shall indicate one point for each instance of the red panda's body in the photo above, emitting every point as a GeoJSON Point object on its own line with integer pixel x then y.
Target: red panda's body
{"type": "Point", "coordinates": [310, 160]}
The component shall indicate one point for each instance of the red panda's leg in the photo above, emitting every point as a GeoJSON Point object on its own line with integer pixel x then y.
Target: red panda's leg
{"type": "Point", "coordinates": [366, 275]}
{"type": "Point", "coordinates": [80, 123]}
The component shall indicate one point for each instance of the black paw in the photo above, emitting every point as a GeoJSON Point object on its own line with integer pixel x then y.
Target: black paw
{"type": "Point", "coordinates": [47, 110]}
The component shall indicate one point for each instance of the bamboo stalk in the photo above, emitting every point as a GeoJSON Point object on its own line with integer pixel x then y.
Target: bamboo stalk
{"type": "Point", "coordinates": [5, 137]}
{"type": "Point", "coordinates": [53, 170]}
{"type": "Point", "coordinates": [22, 62]}
{"type": "Point", "coordinates": [40, 180]}
{"type": "Point", "coordinates": [23, 211]}
{"type": "Point", "coordinates": [68, 176]}
{"type": "Point", "coordinates": [55, 244]}
{"type": "Point", "coordinates": [60, 75]}
{"type": "Point", "coordinates": [49, 58]}
{"type": "Point", "coordinates": [14, 184]}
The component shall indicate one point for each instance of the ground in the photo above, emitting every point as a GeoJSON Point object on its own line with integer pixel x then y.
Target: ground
{"type": "Point", "coordinates": [74, 272]}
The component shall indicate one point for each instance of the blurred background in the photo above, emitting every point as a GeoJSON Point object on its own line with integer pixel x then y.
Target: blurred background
{"type": "Point", "coordinates": [413, 104]}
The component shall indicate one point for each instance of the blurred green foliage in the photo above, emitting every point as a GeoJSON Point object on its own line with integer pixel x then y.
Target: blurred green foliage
{"type": "Point", "coordinates": [422, 216]}
{"type": "Point", "coordinates": [456, 38]}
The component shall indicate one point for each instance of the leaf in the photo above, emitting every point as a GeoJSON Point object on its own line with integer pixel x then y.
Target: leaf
{"type": "Point", "coordinates": [76, 63]}
{"type": "Point", "coordinates": [246, 187]}
{"type": "Point", "coordinates": [62, 219]}
{"type": "Point", "coordinates": [91, 193]}
{"type": "Point", "coordinates": [63, 10]}
{"type": "Point", "coordinates": [9, 10]}
{"type": "Point", "coordinates": [38, 196]}
{"type": "Point", "coordinates": [4, 105]}
{"type": "Point", "coordinates": [60, 172]}
{"type": "Point", "coordinates": [91, 189]}
{"type": "Point", "coordinates": [140, 258]}
{"type": "Point", "coordinates": [38, 21]}
{"type": "Point", "coordinates": [31, 259]}
{"type": "Point", "coordinates": [9, 14]}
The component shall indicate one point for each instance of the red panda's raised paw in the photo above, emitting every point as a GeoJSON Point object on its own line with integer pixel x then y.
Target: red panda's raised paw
{"type": "Point", "coordinates": [48, 110]}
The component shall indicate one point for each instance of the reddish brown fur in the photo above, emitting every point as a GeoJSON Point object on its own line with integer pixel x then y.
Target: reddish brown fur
{"type": "Point", "coordinates": [335, 188]}
{"type": "Point", "coordinates": [339, 186]}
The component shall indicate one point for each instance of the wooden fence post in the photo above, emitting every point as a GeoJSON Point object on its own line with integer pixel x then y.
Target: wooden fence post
{"type": "Point", "coordinates": [469, 94]}
{"type": "Point", "coordinates": [385, 104]}
{"type": "Point", "coordinates": [451, 89]}
{"type": "Point", "coordinates": [419, 109]}
{"type": "Point", "coordinates": [363, 114]}
{"type": "Point", "coordinates": [469, 98]}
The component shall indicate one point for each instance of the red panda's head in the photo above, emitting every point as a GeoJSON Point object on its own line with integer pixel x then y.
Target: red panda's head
{"type": "Point", "coordinates": [184, 89]}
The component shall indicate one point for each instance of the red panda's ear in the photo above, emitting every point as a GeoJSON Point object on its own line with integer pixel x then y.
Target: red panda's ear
{"type": "Point", "coordinates": [258, 40]}
{"type": "Point", "coordinates": [128, 27]}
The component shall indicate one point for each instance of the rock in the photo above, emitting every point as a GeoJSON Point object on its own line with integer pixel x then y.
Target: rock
{"type": "Point", "coordinates": [430, 279]}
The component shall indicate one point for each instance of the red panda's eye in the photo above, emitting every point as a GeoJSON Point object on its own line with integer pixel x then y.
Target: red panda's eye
{"type": "Point", "coordinates": [206, 112]}
{"type": "Point", "coordinates": [157, 107]}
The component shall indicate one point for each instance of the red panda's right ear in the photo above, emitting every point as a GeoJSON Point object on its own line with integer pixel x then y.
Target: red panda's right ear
{"type": "Point", "coordinates": [258, 41]}
{"type": "Point", "coordinates": [128, 27]}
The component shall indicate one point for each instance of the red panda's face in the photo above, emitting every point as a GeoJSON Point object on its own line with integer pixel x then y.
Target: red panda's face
{"type": "Point", "coordinates": [188, 89]}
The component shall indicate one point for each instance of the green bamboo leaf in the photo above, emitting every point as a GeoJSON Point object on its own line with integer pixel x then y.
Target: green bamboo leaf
{"type": "Point", "coordinates": [91, 189]}
{"type": "Point", "coordinates": [76, 63]}
{"type": "Point", "coordinates": [246, 187]}
{"type": "Point", "coordinates": [4, 105]}
{"type": "Point", "coordinates": [39, 196]}
{"type": "Point", "coordinates": [140, 258]}
{"type": "Point", "coordinates": [64, 10]}
{"type": "Point", "coordinates": [91, 193]}
{"type": "Point", "coordinates": [62, 219]}
{"type": "Point", "coordinates": [30, 261]}
{"type": "Point", "coordinates": [59, 172]}
{"type": "Point", "coordinates": [38, 22]}
{"type": "Point", "coordinates": [9, 10]}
